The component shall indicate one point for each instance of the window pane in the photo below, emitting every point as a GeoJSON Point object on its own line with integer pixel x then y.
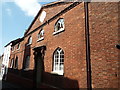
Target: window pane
{"type": "Point", "coordinates": [30, 40]}
{"type": "Point", "coordinates": [61, 56]}
{"type": "Point", "coordinates": [61, 60]}
{"type": "Point", "coordinates": [41, 34]}
{"type": "Point", "coordinates": [61, 66]}
{"type": "Point", "coordinates": [58, 60]}
{"type": "Point", "coordinates": [55, 67]}
{"type": "Point", "coordinates": [27, 62]}
{"type": "Point", "coordinates": [59, 25]}
{"type": "Point", "coordinates": [57, 56]}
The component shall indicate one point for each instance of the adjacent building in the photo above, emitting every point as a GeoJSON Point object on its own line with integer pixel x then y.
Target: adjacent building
{"type": "Point", "coordinates": [52, 51]}
{"type": "Point", "coordinates": [6, 57]}
{"type": "Point", "coordinates": [1, 59]}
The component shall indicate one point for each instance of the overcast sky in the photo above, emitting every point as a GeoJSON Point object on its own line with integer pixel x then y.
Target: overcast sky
{"type": "Point", "coordinates": [15, 18]}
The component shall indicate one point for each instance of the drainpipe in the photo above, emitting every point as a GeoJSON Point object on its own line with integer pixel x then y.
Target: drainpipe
{"type": "Point", "coordinates": [88, 61]}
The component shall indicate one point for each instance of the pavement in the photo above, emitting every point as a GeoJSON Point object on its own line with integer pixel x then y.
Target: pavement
{"type": "Point", "coordinates": [7, 85]}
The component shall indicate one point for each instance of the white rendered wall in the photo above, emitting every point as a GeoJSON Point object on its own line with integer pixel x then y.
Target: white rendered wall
{"type": "Point", "coordinates": [6, 57]}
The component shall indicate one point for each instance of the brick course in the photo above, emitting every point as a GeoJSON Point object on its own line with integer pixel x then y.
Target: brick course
{"type": "Point", "coordinates": [103, 21]}
{"type": "Point", "coordinates": [103, 38]}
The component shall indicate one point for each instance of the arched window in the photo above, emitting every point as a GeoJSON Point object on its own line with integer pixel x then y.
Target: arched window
{"type": "Point", "coordinates": [12, 48]}
{"type": "Point", "coordinates": [58, 61]}
{"type": "Point", "coordinates": [27, 62]}
{"type": "Point", "coordinates": [16, 63]}
{"type": "Point", "coordinates": [18, 46]}
{"type": "Point", "coordinates": [11, 63]}
{"type": "Point", "coordinates": [41, 35]}
{"type": "Point", "coordinates": [59, 26]}
{"type": "Point", "coordinates": [29, 40]}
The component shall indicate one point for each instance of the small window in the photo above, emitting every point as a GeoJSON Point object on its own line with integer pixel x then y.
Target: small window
{"type": "Point", "coordinates": [12, 48]}
{"type": "Point", "coordinates": [42, 16]}
{"type": "Point", "coordinates": [16, 63]}
{"type": "Point", "coordinates": [27, 62]}
{"type": "Point", "coordinates": [11, 63]}
{"type": "Point", "coordinates": [29, 40]}
{"type": "Point", "coordinates": [59, 26]}
{"type": "Point", "coordinates": [18, 46]}
{"type": "Point", "coordinates": [58, 61]}
{"type": "Point", "coordinates": [41, 35]}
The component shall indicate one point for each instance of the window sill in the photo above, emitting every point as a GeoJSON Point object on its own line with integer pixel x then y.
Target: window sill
{"type": "Point", "coordinates": [13, 50]}
{"type": "Point", "coordinates": [18, 49]}
{"type": "Point", "coordinates": [61, 30]}
{"type": "Point", "coordinates": [15, 68]}
{"type": "Point", "coordinates": [28, 44]}
{"type": "Point", "coordinates": [57, 73]}
{"type": "Point", "coordinates": [40, 39]}
{"type": "Point", "coordinates": [27, 69]}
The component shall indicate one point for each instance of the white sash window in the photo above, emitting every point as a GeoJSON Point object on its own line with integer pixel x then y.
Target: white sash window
{"type": "Point", "coordinates": [59, 26]}
{"type": "Point", "coordinates": [58, 66]}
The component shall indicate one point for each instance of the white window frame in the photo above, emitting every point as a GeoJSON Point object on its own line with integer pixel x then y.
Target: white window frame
{"type": "Point", "coordinates": [13, 48]}
{"type": "Point", "coordinates": [29, 40]}
{"type": "Point", "coordinates": [11, 63]}
{"type": "Point", "coordinates": [41, 33]}
{"type": "Point", "coordinates": [61, 22]}
{"type": "Point", "coordinates": [18, 47]}
{"type": "Point", "coordinates": [42, 16]}
{"type": "Point", "coordinates": [58, 67]}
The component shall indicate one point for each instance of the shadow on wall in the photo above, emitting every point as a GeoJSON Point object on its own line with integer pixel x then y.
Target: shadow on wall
{"type": "Point", "coordinates": [18, 79]}
{"type": "Point", "coordinates": [37, 78]}
{"type": "Point", "coordinates": [49, 80]}
{"type": "Point", "coordinates": [59, 81]}
{"type": "Point", "coordinates": [26, 58]}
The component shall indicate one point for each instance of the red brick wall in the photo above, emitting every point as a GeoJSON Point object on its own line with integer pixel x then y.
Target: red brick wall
{"type": "Point", "coordinates": [18, 53]}
{"type": "Point", "coordinates": [103, 20]}
{"type": "Point", "coordinates": [103, 38]}
{"type": "Point", "coordinates": [50, 12]}
{"type": "Point", "coordinates": [119, 43]}
{"type": "Point", "coordinates": [74, 48]}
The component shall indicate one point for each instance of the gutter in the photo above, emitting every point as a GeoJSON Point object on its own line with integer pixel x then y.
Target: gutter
{"type": "Point", "coordinates": [88, 60]}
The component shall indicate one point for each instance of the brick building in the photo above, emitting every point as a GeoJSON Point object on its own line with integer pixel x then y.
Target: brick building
{"type": "Point", "coordinates": [52, 51]}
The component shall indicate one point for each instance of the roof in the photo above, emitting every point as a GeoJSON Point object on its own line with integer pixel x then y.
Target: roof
{"type": "Point", "coordinates": [54, 3]}
{"type": "Point", "coordinates": [51, 3]}
{"type": "Point", "coordinates": [15, 41]}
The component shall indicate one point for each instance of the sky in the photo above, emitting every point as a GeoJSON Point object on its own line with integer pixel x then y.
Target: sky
{"type": "Point", "coordinates": [15, 17]}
